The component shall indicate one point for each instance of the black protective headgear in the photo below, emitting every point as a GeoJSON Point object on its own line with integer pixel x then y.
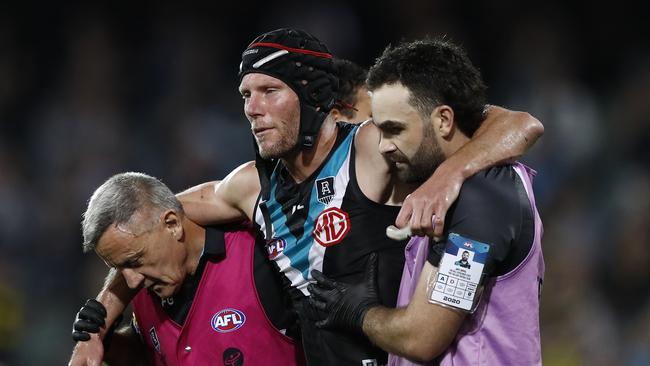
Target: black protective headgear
{"type": "Point", "coordinates": [302, 62]}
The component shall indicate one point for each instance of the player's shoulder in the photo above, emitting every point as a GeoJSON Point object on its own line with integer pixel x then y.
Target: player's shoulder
{"type": "Point", "coordinates": [245, 171]}
{"type": "Point", "coordinates": [244, 178]}
{"type": "Point", "coordinates": [367, 134]}
{"type": "Point", "coordinates": [366, 144]}
{"type": "Point", "coordinates": [373, 170]}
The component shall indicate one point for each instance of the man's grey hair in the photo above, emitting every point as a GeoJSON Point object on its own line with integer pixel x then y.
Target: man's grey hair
{"type": "Point", "coordinates": [122, 196]}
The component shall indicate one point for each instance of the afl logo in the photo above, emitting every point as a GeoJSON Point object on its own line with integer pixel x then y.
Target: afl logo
{"type": "Point", "coordinates": [228, 320]}
{"type": "Point", "coordinates": [331, 226]}
{"type": "Point", "coordinates": [275, 247]}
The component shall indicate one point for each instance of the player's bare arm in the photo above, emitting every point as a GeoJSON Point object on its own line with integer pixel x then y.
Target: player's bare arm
{"type": "Point", "coordinates": [421, 331]}
{"type": "Point", "coordinates": [219, 202]}
{"type": "Point", "coordinates": [504, 136]}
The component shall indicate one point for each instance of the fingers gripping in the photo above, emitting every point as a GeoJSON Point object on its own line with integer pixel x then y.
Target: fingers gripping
{"type": "Point", "coordinates": [322, 280]}
{"type": "Point", "coordinates": [404, 215]}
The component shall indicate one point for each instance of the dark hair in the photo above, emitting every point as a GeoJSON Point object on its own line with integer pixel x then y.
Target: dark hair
{"type": "Point", "coordinates": [436, 72]}
{"type": "Point", "coordinates": [351, 78]}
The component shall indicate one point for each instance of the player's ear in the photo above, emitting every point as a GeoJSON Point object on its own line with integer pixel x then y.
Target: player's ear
{"type": "Point", "coordinates": [336, 113]}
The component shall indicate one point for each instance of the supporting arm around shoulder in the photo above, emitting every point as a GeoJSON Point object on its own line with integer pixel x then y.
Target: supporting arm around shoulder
{"type": "Point", "coordinates": [220, 202]}
{"type": "Point", "coordinates": [504, 136]}
{"type": "Point", "coordinates": [421, 331]}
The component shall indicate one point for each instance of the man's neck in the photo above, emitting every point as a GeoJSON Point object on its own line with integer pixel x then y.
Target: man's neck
{"type": "Point", "coordinates": [458, 141]}
{"type": "Point", "coordinates": [304, 163]}
{"type": "Point", "coordinates": [195, 241]}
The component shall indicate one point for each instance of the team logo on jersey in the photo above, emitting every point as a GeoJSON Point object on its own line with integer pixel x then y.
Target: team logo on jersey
{"type": "Point", "coordinates": [275, 247]}
{"type": "Point", "coordinates": [325, 190]}
{"type": "Point", "coordinates": [233, 357]}
{"type": "Point", "coordinates": [154, 339]}
{"type": "Point", "coordinates": [331, 226]}
{"type": "Point", "coordinates": [228, 320]}
{"type": "Point", "coordinates": [468, 244]}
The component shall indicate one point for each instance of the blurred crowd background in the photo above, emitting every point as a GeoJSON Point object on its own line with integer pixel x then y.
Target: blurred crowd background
{"type": "Point", "coordinates": [90, 90]}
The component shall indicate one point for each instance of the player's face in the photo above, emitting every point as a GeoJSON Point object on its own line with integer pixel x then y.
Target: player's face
{"type": "Point", "coordinates": [273, 110]}
{"type": "Point", "coordinates": [465, 256]}
{"type": "Point", "coordinates": [362, 105]}
{"type": "Point", "coordinates": [406, 139]}
{"type": "Point", "coordinates": [152, 259]}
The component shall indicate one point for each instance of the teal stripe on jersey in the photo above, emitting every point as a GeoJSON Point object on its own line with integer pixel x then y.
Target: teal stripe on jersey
{"type": "Point", "coordinates": [297, 251]}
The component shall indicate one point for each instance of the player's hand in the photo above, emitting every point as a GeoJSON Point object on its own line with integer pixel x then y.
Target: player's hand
{"type": "Point", "coordinates": [344, 305]}
{"type": "Point", "coordinates": [90, 318]}
{"type": "Point", "coordinates": [88, 353]}
{"type": "Point", "coordinates": [424, 210]}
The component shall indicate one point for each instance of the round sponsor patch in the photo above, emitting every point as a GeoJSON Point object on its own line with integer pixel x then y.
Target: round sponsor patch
{"type": "Point", "coordinates": [331, 226]}
{"type": "Point", "coordinates": [228, 320]}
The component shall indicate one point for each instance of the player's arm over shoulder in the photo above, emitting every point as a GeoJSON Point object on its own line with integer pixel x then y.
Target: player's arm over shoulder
{"type": "Point", "coordinates": [219, 202]}
{"type": "Point", "coordinates": [372, 168]}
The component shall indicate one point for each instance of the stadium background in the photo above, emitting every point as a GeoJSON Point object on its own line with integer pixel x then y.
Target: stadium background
{"type": "Point", "coordinates": [89, 90]}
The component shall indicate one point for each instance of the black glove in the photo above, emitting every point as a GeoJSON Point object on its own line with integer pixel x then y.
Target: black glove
{"type": "Point", "coordinates": [89, 319]}
{"type": "Point", "coordinates": [344, 305]}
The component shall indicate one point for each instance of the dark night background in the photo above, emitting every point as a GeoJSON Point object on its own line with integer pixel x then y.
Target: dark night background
{"type": "Point", "coordinates": [90, 90]}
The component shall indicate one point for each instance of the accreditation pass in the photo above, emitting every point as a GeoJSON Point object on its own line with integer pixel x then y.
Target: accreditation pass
{"type": "Point", "coordinates": [459, 273]}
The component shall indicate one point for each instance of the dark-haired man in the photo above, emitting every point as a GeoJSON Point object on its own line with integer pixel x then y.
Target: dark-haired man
{"type": "Point", "coordinates": [464, 260]}
{"type": "Point", "coordinates": [353, 103]}
{"type": "Point", "coordinates": [318, 190]}
{"type": "Point", "coordinates": [427, 101]}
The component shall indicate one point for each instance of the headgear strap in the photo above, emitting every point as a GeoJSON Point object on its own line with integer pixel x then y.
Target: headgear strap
{"type": "Point", "coordinates": [302, 62]}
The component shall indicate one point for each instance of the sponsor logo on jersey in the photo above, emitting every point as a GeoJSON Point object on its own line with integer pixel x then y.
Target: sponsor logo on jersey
{"type": "Point", "coordinates": [154, 339]}
{"type": "Point", "coordinates": [228, 320]}
{"type": "Point", "coordinates": [325, 190]}
{"type": "Point", "coordinates": [167, 302]}
{"type": "Point", "coordinates": [331, 226]}
{"type": "Point", "coordinates": [296, 208]}
{"type": "Point", "coordinates": [233, 357]}
{"type": "Point", "coordinates": [275, 247]}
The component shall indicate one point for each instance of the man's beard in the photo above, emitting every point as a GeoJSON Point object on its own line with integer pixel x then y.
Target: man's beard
{"type": "Point", "coordinates": [287, 145]}
{"type": "Point", "coordinates": [424, 162]}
